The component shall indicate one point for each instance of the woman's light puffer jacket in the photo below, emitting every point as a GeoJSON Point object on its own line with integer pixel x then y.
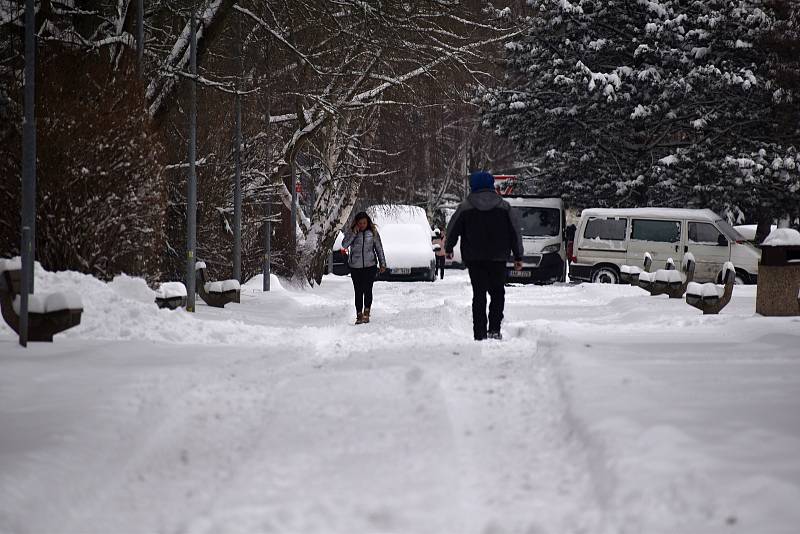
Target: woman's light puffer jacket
{"type": "Point", "coordinates": [366, 250]}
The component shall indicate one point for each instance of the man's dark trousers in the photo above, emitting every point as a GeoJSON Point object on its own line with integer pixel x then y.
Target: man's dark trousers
{"type": "Point", "coordinates": [487, 277]}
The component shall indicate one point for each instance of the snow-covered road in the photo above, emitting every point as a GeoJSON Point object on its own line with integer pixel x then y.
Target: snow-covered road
{"type": "Point", "coordinates": [603, 411]}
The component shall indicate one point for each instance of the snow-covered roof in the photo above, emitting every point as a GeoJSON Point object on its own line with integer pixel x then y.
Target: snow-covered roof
{"type": "Point", "coordinates": [782, 237]}
{"type": "Point", "coordinates": [657, 213]}
{"type": "Point", "coordinates": [555, 203]}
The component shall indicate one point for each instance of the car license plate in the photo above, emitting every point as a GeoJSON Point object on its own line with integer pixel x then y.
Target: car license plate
{"type": "Point", "coordinates": [520, 274]}
{"type": "Point", "coordinates": [402, 270]}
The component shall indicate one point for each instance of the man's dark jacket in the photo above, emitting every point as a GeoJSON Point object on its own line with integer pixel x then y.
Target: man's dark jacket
{"type": "Point", "coordinates": [489, 229]}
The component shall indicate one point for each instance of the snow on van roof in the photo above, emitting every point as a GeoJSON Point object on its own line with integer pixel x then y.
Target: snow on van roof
{"type": "Point", "coordinates": [677, 213]}
{"type": "Point", "coordinates": [398, 214]}
{"type": "Point", "coordinates": [540, 202]}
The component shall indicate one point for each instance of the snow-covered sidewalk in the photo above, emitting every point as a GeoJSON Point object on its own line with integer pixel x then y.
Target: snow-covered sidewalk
{"type": "Point", "coordinates": [604, 411]}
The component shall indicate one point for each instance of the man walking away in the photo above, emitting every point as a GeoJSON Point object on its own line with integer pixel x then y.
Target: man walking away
{"type": "Point", "coordinates": [490, 231]}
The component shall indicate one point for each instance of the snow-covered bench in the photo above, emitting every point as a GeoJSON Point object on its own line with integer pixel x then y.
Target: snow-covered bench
{"type": "Point", "coordinates": [48, 313]}
{"type": "Point", "coordinates": [645, 278]}
{"type": "Point", "coordinates": [672, 282]}
{"type": "Point", "coordinates": [216, 294]}
{"type": "Point", "coordinates": [710, 298]}
{"type": "Point", "coordinates": [629, 274]}
{"type": "Point", "coordinates": [171, 295]}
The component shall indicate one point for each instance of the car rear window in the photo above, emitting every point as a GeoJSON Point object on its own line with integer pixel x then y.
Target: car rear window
{"type": "Point", "coordinates": [606, 229]}
{"type": "Point", "coordinates": [654, 230]}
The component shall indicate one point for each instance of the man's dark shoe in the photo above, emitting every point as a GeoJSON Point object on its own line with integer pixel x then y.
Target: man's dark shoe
{"type": "Point", "coordinates": [480, 338]}
{"type": "Point", "coordinates": [495, 335]}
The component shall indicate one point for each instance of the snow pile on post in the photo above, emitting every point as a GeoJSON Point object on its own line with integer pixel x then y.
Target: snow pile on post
{"type": "Point", "coordinates": [704, 290]}
{"type": "Point", "coordinates": [221, 286]}
{"type": "Point", "coordinates": [52, 302]}
{"type": "Point", "coordinates": [688, 257]}
{"type": "Point", "coordinates": [231, 285]}
{"type": "Point", "coordinates": [728, 266]}
{"type": "Point", "coordinates": [10, 264]}
{"type": "Point", "coordinates": [169, 290]}
{"type": "Point", "coordinates": [670, 276]}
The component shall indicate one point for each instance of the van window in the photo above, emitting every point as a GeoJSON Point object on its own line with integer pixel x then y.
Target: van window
{"type": "Point", "coordinates": [703, 233]}
{"type": "Point", "coordinates": [607, 229]}
{"type": "Point", "coordinates": [540, 221]}
{"type": "Point", "coordinates": [651, 230]}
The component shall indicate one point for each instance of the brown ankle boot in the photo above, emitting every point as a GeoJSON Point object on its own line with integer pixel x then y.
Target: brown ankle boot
{"type": "Point", "coordinates": [366, 315]}
{"type": "Point", "coordinates": [360, 318]}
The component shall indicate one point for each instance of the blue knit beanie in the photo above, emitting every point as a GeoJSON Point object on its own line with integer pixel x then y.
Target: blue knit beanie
{"type": "Point", "coordinates": [481, 180]}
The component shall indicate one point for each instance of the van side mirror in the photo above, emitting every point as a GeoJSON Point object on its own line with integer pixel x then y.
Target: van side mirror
{"type": "Point", "coordinates": [722, 241]}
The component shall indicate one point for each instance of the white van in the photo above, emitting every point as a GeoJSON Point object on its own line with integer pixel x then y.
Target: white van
{"type": "Point", "coordinates": [543, 222]}
{"type": "Point", "coordinates": [609, 238]}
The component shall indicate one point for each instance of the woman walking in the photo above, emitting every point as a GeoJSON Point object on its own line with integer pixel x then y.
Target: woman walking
{"type": "Point", "coordinates": [440, 239]}
{"type": "Point", "coordinates": [365, 258]}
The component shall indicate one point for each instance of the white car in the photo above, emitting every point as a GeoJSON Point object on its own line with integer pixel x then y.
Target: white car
{"type": "Point", "coordinates": [406, 236]}
{"type": "Point", "coordinates": [748, 231]}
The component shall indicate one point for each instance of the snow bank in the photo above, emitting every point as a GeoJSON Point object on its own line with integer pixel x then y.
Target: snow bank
{"type": "Point", "coordinates": [256, 284]}
{"type": "Point", "coordinates": [134, 288]}
{"type": "Point", "coordinates": [119, 311]}
{"type": "Point", "coordinates": [781, 237]}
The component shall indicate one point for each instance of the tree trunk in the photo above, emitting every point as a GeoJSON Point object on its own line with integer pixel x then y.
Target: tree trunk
{"type": "Point", "coordinates": [764, 226]}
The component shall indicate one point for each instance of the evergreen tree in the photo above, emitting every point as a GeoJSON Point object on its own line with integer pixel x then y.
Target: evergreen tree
{"type": "Point", "coordinates": [652, 102]}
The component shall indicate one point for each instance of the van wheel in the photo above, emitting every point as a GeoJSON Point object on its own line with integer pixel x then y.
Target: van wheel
{"type": "Point", "coordinates": [605, 275]}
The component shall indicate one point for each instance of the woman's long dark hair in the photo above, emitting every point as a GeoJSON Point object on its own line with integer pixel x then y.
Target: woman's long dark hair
{"type": "Point", "coordinates": [364, 215]}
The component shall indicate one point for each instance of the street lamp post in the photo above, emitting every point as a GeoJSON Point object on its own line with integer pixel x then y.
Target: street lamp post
{"type": "Point", "coordinates": [237, 185]}
{"type": "Point", "coordinates": [191, 193]}
{"type": "Point", "coordinates": [28, 215]}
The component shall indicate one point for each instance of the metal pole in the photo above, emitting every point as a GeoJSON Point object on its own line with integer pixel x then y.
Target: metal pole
{"type": "Point", "coordinates": [293, 211]}
{"type": "Point", "coordinates": [237, 196]}
{"type": "Point", "coordinates": [265, 286]}
{"type": "Point", "coordinates": [191, 193]}
{"type": "Point", "coordinates": [28, 248]}
{"type": "Point", "coordinates": [23, 293]}
{"type": "Point", "coordinates": [268, 246]}
{"type": "Point", "coordinates": [237, 184]}
{"type": "Point", "coordinates": [140, 34]}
